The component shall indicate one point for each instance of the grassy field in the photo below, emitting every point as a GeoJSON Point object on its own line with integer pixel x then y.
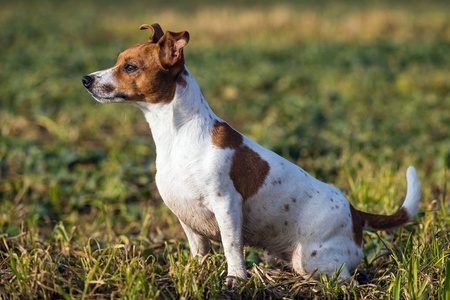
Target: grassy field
{"type": "Point", "coordinates": [352, 92]}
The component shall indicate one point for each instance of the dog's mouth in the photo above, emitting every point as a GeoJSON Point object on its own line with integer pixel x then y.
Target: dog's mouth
{"type": "Point", "coordinates": [115, 98]}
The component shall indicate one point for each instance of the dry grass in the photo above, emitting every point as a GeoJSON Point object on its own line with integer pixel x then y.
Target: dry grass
{"type": "Point", "coordinates": [284, 24]}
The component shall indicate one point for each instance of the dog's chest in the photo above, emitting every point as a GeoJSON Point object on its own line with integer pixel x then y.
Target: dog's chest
{"type": "Point", "coordinates": [181, 181]}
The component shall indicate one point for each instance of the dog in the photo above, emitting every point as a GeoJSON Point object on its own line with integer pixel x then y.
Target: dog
{"type": "Point", "coordinates": [223, 186]}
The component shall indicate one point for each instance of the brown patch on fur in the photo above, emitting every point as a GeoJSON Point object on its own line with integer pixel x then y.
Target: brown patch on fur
{"type": "Point", "coordinates": [108, 88]}
{"type": "Point", "coordinates": [314, 253]}
{"type": "Point", "coordinates": [181, 79]}
{"type": "Point", "coordinates": [294, 200]}
{"type": "Point", "coordinates": [358, 225]}
{"type": "Point", "coordinates": [275, 182]}
{"type": "Point", "coordinates": [286, 223]}
{"type": "Point", "coordinates": [376, 222]}
{"type": "Point", "coordinates": [223, 136]}
{"type": "Point", "coordinates": [286, 207]}
{"type": "Point", "coordinates": [248, 170]}
{"type": "Point", "coordinates": [380, 222]}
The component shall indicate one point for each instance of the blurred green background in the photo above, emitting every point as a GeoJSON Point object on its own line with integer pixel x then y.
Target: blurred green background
{"type": "Point", "coordinates": [353, 92]}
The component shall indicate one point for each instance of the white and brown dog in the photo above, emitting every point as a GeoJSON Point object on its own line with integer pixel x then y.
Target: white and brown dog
{"type": "Point", "coordinates": [223, 186]}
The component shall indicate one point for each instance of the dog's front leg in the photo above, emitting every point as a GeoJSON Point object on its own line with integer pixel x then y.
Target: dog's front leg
{"type": "Point", "coordinates": [199, 244]}
{"type": "Point", "coordinates": [228, 213]}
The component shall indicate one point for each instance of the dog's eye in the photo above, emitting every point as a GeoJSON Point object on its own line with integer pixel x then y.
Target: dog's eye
{"type": "Point", "coordinates": [129, 68]}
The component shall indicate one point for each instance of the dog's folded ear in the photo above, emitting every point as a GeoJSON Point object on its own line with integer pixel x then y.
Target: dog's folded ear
{"type": "Point", "coordinates": [171, 45]}
{"type": "Point", "coordinates": [157, 32]}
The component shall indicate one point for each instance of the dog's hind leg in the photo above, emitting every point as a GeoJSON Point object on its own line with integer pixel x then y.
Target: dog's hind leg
{"type": "Point", "coordinates": [327, 261]}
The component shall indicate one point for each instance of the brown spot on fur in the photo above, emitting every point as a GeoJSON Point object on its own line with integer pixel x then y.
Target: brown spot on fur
{"type": "Point", "coordinates": [294, 200]}
{"type": "Point", "coordinates": [248, 170]}
{"type": "Point", "coordinates": [181, 79]}
{"type": "Point", "coordinates": [108, 88]}
{"type": "Point", "coordinates": [332, 200]}
{"type": "Point", "coordinates": [286, 207]}
{"type": "Point", "coordinates": [375, 222]}
{"type": "Point", "coordinates": [349, 252]}
{"type": "Point", "coordinates": [275, 182]}
{"type": "Point", "coordinates": [320, 246]}
{"type": "Point", "coordinates": [219, 194]}
{"type": "Point", "coordinates": [286, 223]}
{"type": "Point", "coordinates": [314, 253]}
{"type": "Point", "coordinates": [223, 136]}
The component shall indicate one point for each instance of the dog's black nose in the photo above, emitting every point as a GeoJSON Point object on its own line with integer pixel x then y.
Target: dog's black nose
{"type": "Point", "coordinates": [87, 81]}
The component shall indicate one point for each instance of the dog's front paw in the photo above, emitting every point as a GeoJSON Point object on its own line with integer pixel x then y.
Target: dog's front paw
{"type": "Point", "coordinates": [232, 282]}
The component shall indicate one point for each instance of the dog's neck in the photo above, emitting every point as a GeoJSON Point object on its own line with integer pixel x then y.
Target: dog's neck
{"type": "Point", "coordinates": [187, 117]}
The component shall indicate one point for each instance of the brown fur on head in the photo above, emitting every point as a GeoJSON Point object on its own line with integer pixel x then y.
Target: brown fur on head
{"type": "Point", "coordinates": [146, 72]}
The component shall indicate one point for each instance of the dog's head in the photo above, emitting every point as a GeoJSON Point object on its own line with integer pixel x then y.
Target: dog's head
{"type": "Point", "coordinates": [146, 72]}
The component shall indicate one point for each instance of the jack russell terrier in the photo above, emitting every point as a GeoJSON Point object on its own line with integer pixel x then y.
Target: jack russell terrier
{"type": "Point", "coordinates": [223, 186]}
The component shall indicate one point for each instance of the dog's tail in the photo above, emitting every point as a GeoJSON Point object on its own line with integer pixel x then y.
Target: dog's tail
{"type": "Point", "coordinates": [405, 213]}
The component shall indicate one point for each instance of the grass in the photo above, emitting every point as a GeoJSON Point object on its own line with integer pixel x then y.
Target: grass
{"type": "Point", "coordinates": [353, 92]}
